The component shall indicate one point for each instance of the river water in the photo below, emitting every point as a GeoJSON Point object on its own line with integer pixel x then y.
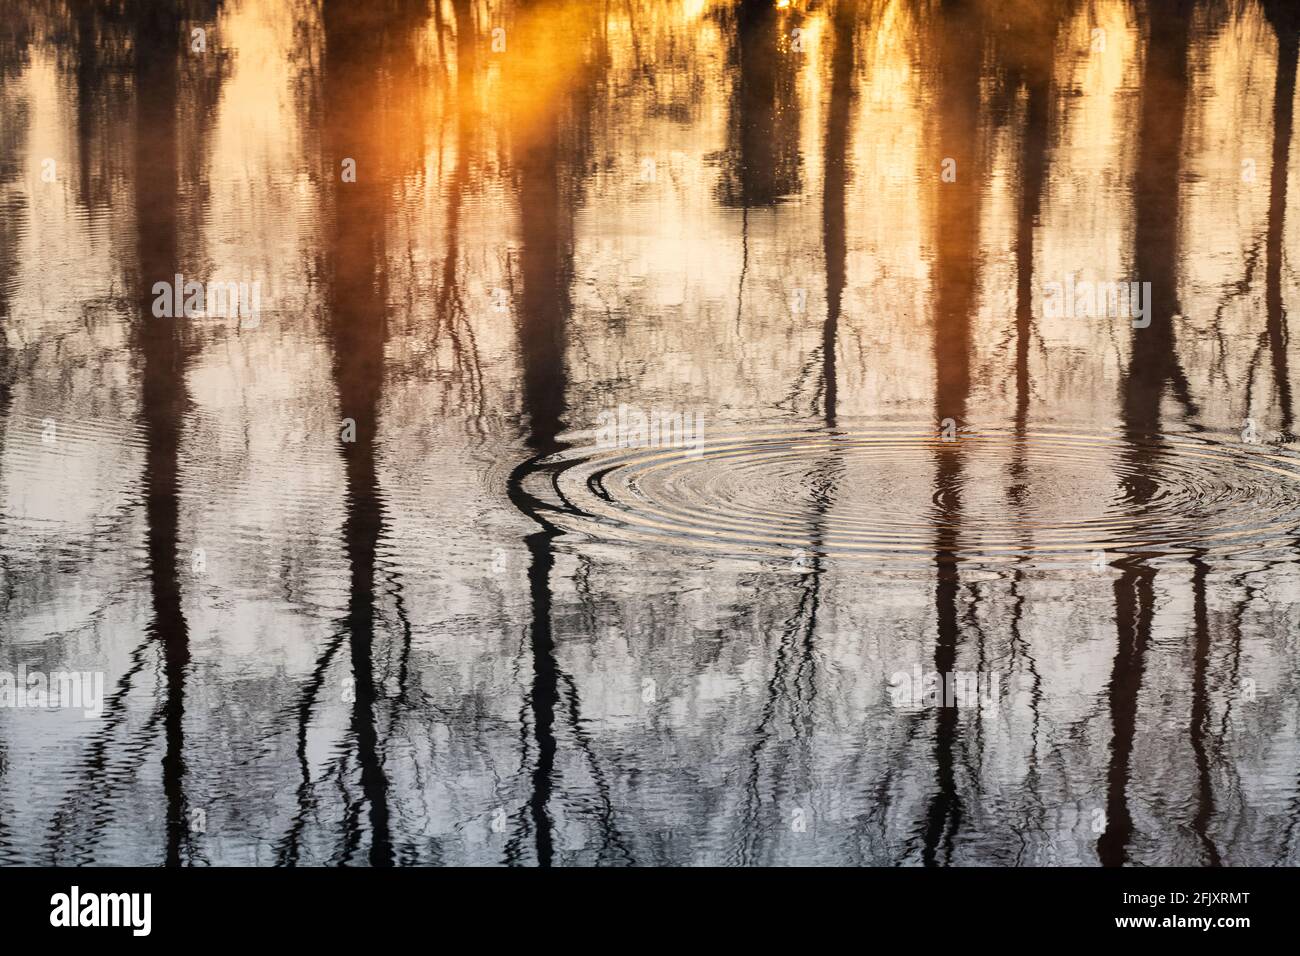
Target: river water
{"type": "Point", "coordinates": [651, 433]}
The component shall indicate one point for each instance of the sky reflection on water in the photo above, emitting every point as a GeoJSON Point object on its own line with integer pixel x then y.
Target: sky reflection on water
{"type": "Point", "coordinates": [472, 630]}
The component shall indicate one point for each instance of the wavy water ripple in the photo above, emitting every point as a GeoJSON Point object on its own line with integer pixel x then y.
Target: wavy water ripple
{"type": "Point", "coordinates": [871, 491]}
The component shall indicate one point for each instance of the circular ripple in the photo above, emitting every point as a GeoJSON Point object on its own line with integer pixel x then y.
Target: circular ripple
{"type": "Point", "coordinates": [898, 491]}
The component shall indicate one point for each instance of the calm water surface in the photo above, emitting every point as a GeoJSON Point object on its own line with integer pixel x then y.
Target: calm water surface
{"type": "Point", "coordinates": [366, 578]}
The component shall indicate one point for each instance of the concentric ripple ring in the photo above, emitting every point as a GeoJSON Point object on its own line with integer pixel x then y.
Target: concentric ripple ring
{"type": "Point", "coordinates": [900, 491]}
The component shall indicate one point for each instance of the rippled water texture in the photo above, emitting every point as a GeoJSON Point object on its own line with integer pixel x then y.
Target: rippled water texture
{"type": "Point", "coordinates": [844, 493]}
{"type": "Point", "coordinates": [665, 432]}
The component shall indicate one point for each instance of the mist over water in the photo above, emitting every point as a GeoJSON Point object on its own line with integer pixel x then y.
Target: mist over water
{"type": "Point", "coordinates": [651, 433]}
